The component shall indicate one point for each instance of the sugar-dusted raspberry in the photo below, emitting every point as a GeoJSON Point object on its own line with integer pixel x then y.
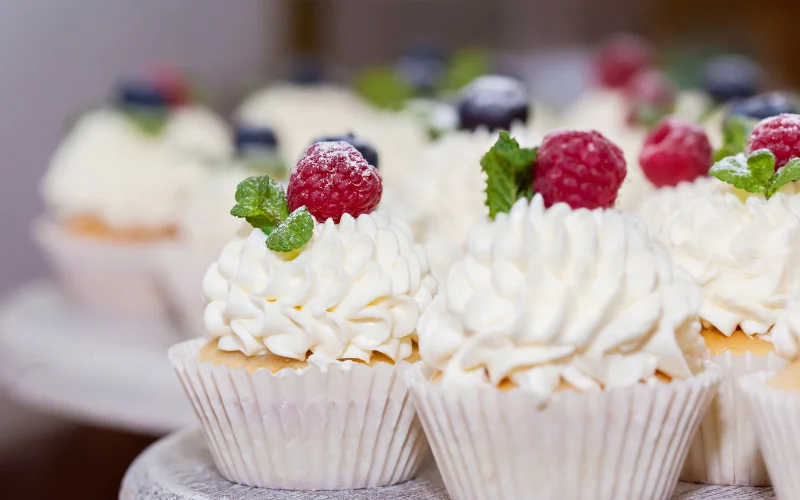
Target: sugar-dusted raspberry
{"type": "Point", "coordinates": [621, 57]}
{"type": "Point", "coordinates": [579, 167]}
{"type": "Point", "coordinates": [333, 179]}
{"type": "Point", "coordinates": [173, 85]}
{"type": "Point", "coordinates": [649, 95]}
{"type": "Point", "coordinates": [780, 134]}
{"type": "Point", "coordinates": [674, 151]}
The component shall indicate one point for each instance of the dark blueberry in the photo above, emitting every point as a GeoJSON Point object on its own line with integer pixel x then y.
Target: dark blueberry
{"type": "Point", "coordinates": [307, 71]}
{"type": "Point", "coordinates": [494, 102]}
{"type": "Point", "coordinates": [367, 151]}
{"type": "Point", "coordinates": [764, 106]}
{"type": "Point", "coordinates": [732, 77]}
{"type": "Point", "coordinates": [141, 94]}
{"type": "Point", "coordinates": [254, 137]}
{"type": "Point", "coordinates": [422, 67]}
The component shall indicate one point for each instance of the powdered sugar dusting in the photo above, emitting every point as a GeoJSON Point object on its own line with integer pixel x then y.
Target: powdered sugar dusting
{"type": "Point", "coordinates": [496, 91]}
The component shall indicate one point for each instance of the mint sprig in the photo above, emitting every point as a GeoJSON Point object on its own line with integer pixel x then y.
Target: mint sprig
{"type": "Point", "coordinates": [262, 203]}
{"type": "Point", "coordinates": [382, 88]}
{"type": "Point", "coordinates": [756, 173]}
{"type": "Point", "coordinates": [735, 132]}
{"type": "Point", "coordinates": [150, 122]}
{"type": "Point", "coordinates": [509, 172]}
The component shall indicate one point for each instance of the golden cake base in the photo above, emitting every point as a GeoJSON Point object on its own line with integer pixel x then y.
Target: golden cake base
{"type": "Point", "coordinates": [737, 344]}
{"type": "Point", "coordinates": [91, 226]}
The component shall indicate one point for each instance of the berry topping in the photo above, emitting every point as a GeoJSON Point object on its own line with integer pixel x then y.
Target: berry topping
{"type": "Point", "coordinates": [732, 77]}
{"type": "Point", "coordinates": [173, 85]}
{"type": "Point", "coordinates": [779, 134]}
{"type": "Point", "coordinates": [367, 151]}
{"type": "Point", "coordinates": [333, 179]}
{"type": "Point", "coordinates": [675, 151]}
{"type": "Point", "coordinates": [620, 58]}
{"type": "Point", "coordinates": [307, 71]}
{"type": "Point", "coordinates": [764, 106]}
{"type": "Point", "coordinates": [650, 95]}
{"type": "Point", "coordinates": [580, 168]}
{"type": "Point", "coordinates": [249, 137]}
{"type": "Point", "coordinates": [422, 67]}
{"type": "Point", "coordinates": [494, 102]}
{"type": "Point", "coordinates": [141, 94]}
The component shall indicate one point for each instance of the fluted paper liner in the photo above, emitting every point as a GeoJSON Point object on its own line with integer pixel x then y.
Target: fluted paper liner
{"type": "Point", "coordinates": [614, 445]}
{"type": "Point", "coordinates": [103, 276]}
{"type": "Point", "coordinates": [775, 415]}
{"type": "Point", "coordinates": [725, 450]}
{"type": "Point", "coordinates": [343, 428]}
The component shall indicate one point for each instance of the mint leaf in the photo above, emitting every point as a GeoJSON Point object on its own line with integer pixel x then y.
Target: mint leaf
{"type": "Point", "coordinates": [292, 233]}
{"type": "Point", "coordinates": [735, 132]}
{"type": "Point", "coordinates": [788, 173]}
{"type": "Point", "coordinates": [465, 66]}
{"type": "Point", "coordinates": [735, 170]}
{"type": "Point", "coordinates": [509, 173]}
{"type": "Point", "coordinates": [761, 165]}
{"type": "Point", "coordinates": [383, 88]}
{"type": "Point", "coordinates": [261, 202]}
{"type": "Point", "coordinates": [149, 121]}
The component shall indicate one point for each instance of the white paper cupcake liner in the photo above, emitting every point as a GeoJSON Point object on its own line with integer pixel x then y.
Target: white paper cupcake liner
{"type": "Point", "coordinates": [725, 450]}
{"type": "Point", "coordinates": [614, 445]}
{"type": "Point", "coordinates": [775, 415]}
{"type": "Point", "coordinates": [103, 276]}
{"type": "Point", "coordinates": [344, 428]}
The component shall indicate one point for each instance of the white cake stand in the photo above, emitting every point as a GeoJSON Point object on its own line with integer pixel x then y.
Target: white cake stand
{"type": "Point", "coordinates": [179, 467]}
{"type": "Point", "coordinates": [109, 371]}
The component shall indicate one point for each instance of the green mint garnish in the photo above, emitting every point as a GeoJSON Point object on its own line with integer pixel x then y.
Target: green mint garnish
{"type": "Point", "coordinates": [734, 136]}
{"type": "Point", "coordinates": [383, 88]}
{"type": "Point", "coordinates": [465, 66]}
{"type": "Point", "coordinates": [262, 203]}
{"type": "Point", "coordinates": [756, 173]}
{"type": "Point", "coordinates": [293, 233]}
{"type": "Point", "coordinates": [509, 172]}
{"type": "Point", "coordinates": [149, 121]}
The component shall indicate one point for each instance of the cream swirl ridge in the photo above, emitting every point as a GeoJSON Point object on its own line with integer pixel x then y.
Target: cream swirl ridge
{"type": "Point", "coordinates": [550, 295]}
{"type": "Point", "coordinates": [356, 288]}
{"type": "Point", "coordinates": [744, 251]}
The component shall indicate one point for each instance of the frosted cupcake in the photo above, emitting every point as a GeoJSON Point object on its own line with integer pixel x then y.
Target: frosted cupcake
{"type": "Point", "coordinates": [115, 189]}
{"type": "Point", "coordinates": [313, 321]}
{"type": "Point", "coordinates": [451, 197]}
{"type": "Point", "coordinates": [564, 328]}
{"type": "Point", "coordinates": [741, 245]}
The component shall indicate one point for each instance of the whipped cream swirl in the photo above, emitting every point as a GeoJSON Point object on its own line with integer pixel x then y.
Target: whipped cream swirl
{"type": "Point", "coordinates": [356, 288]}
{"type": "Point", "coordinates": [550, 295]}
{"type": "Point", "coordinates": [743, 251]}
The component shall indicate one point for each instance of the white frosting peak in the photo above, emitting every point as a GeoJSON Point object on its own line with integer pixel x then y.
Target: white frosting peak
{"type": "Point", "coordinates": [356, 288]}
{"type": "Point", "coordinates": [545, 295]}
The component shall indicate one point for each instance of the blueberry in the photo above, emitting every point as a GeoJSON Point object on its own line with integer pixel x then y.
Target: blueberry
{"type": "Point", "coordinates": [764, 106]}
{"type": "Point", "coordinates": [141, 94]}
{"type": "Point", "coordinates": [254, 137]}
{"type": "Point", "coordinates": [367, 151]}
{"type": "Point", "coordinates": [494, 102]}
{"type": "Point", "coordinates": [422, 67]}
{"type": "Point", "coordinates": [307, 71]}
{"type": "Point", "coordinates": [732, 77]}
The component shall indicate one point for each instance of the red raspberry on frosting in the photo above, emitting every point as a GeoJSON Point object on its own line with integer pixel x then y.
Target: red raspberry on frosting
{"type": "Point", "coordinates": [579, 167]}
{"type": "Point", "coordinates": [780, 134]}
{"type": "Point", "coordinates": [620, 58]}
{"type": "Point", "coordinates": [333, 179]}
{"type": "Point", "coordinates": [675, 151]}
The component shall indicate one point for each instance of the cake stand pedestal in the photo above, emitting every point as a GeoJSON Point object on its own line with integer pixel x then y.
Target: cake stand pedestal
{"type": "Point", "coordinates": [109, 371]}
{"type": "Point", "coordinates": [180, 467]}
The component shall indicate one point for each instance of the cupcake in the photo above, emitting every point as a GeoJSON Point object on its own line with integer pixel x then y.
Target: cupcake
{"type": "Point", "coordinates": [115, 189]}
{"type": "Point", "coordinates": [313, 322]}
{"type": "Point", "coordinates": [742, 246]}
{"type": "Point", "coordinates": [560, 351]}
{"type": "Point", "coordinates": [451, 197]}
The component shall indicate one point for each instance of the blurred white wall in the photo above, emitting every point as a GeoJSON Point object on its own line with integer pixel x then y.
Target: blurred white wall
{"type": "Point", "coordinates": [58, 57]}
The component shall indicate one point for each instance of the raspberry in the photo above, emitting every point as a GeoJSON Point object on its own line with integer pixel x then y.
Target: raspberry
{"type": "Point", "coordinates": [620, 58]}
{"type": "Point", "coordinates": [650, 94]}
{"type": "Point", "coordinates": [173, 85]}
{"type": "Point", "coordinates": [674, 151]}
{"type": "Point", "coordinates": [333, 179]}
{"type": "Point", "coordinates": [580, 168]}
{"type": "Point", "coordinates": [780, 134]}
